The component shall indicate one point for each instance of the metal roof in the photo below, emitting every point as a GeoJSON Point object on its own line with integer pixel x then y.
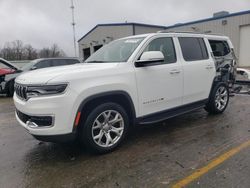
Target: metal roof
{"type": "Point", "coordinates": [168, 27]}
{"type": "Point", "coordinates": [123, 24]}
{"type": "Point", "coordinates": [209, 19]}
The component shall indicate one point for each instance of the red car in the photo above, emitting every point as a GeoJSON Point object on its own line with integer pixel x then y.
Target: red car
{"type": "Point", "coordinates": [4, 71]}
{"type": "Point", "coordinates": [6, 68]}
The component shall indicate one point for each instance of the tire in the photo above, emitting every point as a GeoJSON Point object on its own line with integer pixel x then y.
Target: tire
{"type": "Point", "coordinates": [10, 89]}
{"type": "Point", "coordinates": [101, 133]}
{"type": "Point", "coordinates": [218, 99]}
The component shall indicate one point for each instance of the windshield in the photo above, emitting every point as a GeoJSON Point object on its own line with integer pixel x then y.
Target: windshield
{"type": "Point", "coordinates": [116, 51]}
{"type": "Point", "coordinates": [29, 65]}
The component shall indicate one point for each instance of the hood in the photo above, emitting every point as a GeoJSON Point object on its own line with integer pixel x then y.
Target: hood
{"type": "Point", "coordinates": [8, 64]}
{"type": "Point", "coordinates": [8, 67]}
{"type": "Point", "coordinates": [66, 73]}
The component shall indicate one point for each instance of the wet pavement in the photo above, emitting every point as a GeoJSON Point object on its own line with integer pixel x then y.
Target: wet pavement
{"type": "Point", "coordinates": [152, 156]}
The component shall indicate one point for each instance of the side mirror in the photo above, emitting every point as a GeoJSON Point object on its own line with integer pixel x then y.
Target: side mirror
{"type": "Point", "coordinates": [150, 58]}
{"type": "Point", "coordinates": [33, 68]}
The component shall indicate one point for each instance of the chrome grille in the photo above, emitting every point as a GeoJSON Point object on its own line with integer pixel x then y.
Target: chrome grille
{"type": "Point", "coordinates": [21, 91]}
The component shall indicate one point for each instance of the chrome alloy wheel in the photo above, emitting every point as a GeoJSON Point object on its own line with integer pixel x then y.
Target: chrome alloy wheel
{"type": "Point", "coordinates": [221, 98]}
{"type": "Point", "coordinates": [107, 128]}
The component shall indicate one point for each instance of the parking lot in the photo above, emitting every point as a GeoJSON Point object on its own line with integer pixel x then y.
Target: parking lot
{"type": "Point", "coordinates": [163, 155]}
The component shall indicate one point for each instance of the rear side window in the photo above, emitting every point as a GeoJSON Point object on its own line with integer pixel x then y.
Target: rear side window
{"type": "Point", "coordinates": [71, 61]}
{"type": "Point", "coordinates": [43, 64]}
{"type": "Point", "coordinates": [166, 46]}
{"type": "Point", "coordinates": [61, 62]}
{"type": "Point", "coordinates": [219, 48]}
{"type": "Point", "coordinates": [193, 48]}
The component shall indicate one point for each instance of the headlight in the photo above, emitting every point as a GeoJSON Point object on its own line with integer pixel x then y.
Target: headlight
{"type": "Point", "coordinates": [42, 90]}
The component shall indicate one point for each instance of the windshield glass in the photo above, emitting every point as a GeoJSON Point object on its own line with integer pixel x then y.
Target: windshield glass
{"type": "Point", "coordinates": [116, 51]}
{"type": "Point", "coordinates": [29, 65]}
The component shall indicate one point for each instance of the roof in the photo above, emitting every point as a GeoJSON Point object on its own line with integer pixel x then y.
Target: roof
{"type": "Point", "coordinates": [168, 27]}
{"type": "Point", "coordinates": [209, 19]}
{"type": "Point", "coordinates": [123, 24]}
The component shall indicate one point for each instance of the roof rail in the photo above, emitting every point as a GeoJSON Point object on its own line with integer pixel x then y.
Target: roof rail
{"type": "Point", "coordinates": [190, 32]}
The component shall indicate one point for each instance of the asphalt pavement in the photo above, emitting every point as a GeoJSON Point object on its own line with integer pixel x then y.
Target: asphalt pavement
{"type": "Point", "coordinates": [158, 155]}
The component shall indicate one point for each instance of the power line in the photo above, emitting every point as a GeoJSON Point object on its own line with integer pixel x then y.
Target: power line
{"type": "Point", "coordinates": [73, 24]}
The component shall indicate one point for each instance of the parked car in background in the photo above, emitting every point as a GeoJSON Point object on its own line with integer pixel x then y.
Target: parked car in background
{"type": "Point", "coordinates": [243, 74]}
{"type": "Point", "coordinates": [9, 72]}
{"type": "Point", "coordinates": [6, 68]}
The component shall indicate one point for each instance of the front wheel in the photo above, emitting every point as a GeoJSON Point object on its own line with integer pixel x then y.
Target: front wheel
{"type": "Point", "coordinates": [10, 89]}
{"type": "Point", "coordinates": [218, 100]}
{"type": "Point", "coordinates": [105, 127]}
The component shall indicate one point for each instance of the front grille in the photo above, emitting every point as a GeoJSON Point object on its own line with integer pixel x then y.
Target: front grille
{"type": "Point", "coordinates": [40, 121]}
{"type": "Point", "coordinates": [21, 91]}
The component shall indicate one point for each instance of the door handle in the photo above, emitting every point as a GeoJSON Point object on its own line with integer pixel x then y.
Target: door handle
{"type": "Point", "coordinates": [175, 71]}
{"type": "Point", "coordinates": [209, 67]}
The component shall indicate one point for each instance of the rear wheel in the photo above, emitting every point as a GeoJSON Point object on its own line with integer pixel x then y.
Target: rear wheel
{"type": "Point", "coordinates": [218, 100]}
{"type": "Point", "coordinates": [105, 127]}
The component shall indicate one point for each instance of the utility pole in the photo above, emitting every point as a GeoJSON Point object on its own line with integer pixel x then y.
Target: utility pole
{"type": "Point", "coordinates": [73, 24]}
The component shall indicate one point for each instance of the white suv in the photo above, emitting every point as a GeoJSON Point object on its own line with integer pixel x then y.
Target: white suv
{"type": "Point", "coordinates": [135, 80]}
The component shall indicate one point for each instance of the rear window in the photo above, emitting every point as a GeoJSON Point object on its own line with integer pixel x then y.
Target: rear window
{"type": "Point", "coordinates": [193, 48]}
{"type": "Point", "coordinates": [219, 48]}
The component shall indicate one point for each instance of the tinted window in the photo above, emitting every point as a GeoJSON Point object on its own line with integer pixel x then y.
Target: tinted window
{"type": "Point", "coordinates": [166, 46]}
{"type": "Point", "coordinates": [219, 48]}
{"type": "Point", "coordinates": [62, 62]}
{"type": "Point", "coordinates": [72, 61]}
{"type": "Point", "coordinates": [43, 64]}
{"type": "Point", "coordinates": [58, 62]}
{"type": "Point", "coordinates": [193, 48]}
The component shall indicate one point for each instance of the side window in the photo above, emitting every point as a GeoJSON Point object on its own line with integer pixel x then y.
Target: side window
{"type": "Point", "coordinates": [62, 62]}
{"type": "Point", "coordinates": [219, 48]}
{"type": "Point", "coordinates": [58, 62]}
{"type": "Point", "coordinates": [193, 48]}
{"type": "Point", "coordinates": [71, 61]}
{"type": "Point", "coordinates": [43, 64]}
{"type": "Point", "coordinates": [166, 46]}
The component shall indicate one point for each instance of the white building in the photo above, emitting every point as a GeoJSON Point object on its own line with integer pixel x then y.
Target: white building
{"type": "Point", "coordinates": [236, 26]}
{"type": "Point", "coordinates": [104, 33]}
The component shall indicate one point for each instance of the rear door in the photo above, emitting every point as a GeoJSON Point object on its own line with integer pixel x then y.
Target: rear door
{"type": "Point", "coordinates": [198, 67]}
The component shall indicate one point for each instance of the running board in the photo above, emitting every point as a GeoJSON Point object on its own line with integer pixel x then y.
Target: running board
{"type": "Point", "coordinates": [166, 114]}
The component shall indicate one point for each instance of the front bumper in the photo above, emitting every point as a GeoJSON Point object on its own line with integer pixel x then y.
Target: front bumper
{"type": "Point", "coordinates": [60, 107]}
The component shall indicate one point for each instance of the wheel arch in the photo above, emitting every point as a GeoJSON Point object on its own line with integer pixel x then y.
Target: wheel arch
{"type": "Point", "coordinates": [120, 97]}
{"type": "Point", "coordinates": [216, 81]}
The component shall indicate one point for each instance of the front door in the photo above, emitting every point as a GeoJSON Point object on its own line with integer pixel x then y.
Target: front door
{"type": "Point", "coordinates": [160, 86]}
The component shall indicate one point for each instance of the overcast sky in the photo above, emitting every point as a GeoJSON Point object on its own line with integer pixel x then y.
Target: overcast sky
{"type": "Point", "coordinates": [44, 22]}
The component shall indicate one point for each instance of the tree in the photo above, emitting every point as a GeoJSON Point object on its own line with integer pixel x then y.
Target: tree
{"type": "Point", "coordinates": [16, 50]}
{"type": "Point", "coordinates": [44, 53]}
{"type": "Point", "coordinates": [53, 51]}
{"type": "Point", "coordinates": [30, 52]}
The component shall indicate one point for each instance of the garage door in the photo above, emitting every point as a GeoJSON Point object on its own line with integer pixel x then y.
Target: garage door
{"type": "Point", "coordinates": [244, 55]}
